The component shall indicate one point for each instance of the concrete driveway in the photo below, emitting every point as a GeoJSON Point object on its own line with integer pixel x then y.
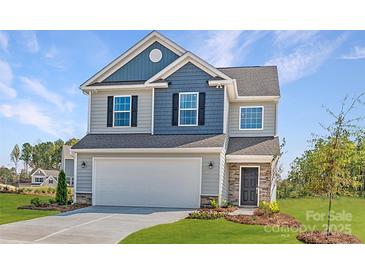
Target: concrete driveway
{"type": "Point", "coordinates": [91, 225]}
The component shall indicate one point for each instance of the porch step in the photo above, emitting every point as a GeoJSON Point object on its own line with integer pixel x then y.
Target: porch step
{"type": "Point", "coordinates": [243, 211]}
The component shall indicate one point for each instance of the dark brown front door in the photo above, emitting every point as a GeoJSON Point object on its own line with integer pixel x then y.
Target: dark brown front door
{"type": "Point", "coordinates": [249, 184]}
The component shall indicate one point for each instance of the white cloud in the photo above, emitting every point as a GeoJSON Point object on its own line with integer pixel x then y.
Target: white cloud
{"type": "Point", "coordinates": [30, 41]}
{"type": "Point", "coordinates": [6, 77]}
{"type": "Point", "coordinates": [28, 113]}
{"type": "Point", "coordinates": [6, 74]}
{"type": "Point", "coordinates": [51, 53]}
{"type": "Point", "coordinates": [286, 38]}
{"type": "Point", "coordinates": [39, 89]}
{"type": "Point", "coordinates": [219, 48]}
{"type": "Point", "coordinates": [304, 59]}
{"type": "Point", "coordinates": [7, 91]}
{"type": "Point", "coordinates": [356, 53]}
{"type": "Point", "coordinates": [4, 41]}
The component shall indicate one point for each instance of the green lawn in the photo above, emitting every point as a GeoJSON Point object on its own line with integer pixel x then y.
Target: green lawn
{"type": "Point", "coordinates": [9, 212]}
{"type": "Point", "coordinates": [222, 231]}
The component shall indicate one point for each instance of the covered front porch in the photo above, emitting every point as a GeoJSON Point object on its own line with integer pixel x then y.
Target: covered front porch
{"type": "Point", "coordinates": [252, 167]}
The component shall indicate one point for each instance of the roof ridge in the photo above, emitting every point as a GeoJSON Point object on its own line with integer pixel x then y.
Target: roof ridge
{"type": "Point", "coordinates": [272, 66]}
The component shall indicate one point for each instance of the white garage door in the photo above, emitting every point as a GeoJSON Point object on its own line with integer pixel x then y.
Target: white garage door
{"type": "Point", "coordinates": [151, 182]}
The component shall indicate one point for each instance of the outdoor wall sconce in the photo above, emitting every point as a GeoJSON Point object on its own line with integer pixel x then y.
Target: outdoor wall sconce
{"type": "Point", "coordinates": [83, 164]}
{"type": "Point", "coordinates": [210, 165]}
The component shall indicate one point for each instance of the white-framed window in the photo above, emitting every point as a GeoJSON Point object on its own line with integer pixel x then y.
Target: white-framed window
{"type": "Point", "coordinates": [122, 111]}
{"type": "Point", "coordinates": [188, 108]}
{"type": "Point", "coordinates": [251, 118]}
{"type": "Point", "coordinates": [38, 179]}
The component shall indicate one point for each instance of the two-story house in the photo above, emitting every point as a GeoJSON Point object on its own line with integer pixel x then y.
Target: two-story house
{"type": "Point", "coordinates": [167, 129]}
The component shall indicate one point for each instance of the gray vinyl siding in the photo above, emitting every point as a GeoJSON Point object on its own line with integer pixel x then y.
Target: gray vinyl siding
{"type": "Point", "coordinates": [210, 177]}
{"type": "Point", "coordinates": [98, 114]}
{"type": "Point", "coordinates": [269, 120]}
{"type": "Point", "coordinates": [141, 67]}
{"type": "Point", "coordinates": [69, 167]}
{"type": "Point", "coordinates": [189, 78]}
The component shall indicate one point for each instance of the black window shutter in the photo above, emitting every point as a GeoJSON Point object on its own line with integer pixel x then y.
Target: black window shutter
{"type": "Point", "coordinates": [134, 111]}
{"type": "Point", "coordinates": [201, 118]}
{"type": "Point", "coordinates": [109, 122]}
{"type": "Point", "coordinates": [175, 109]}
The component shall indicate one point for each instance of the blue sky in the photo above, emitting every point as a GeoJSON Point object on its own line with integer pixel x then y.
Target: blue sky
{"type": "Point", "coordinates": [40, 72]}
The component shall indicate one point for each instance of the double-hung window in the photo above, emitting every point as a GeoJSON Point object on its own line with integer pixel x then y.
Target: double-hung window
{"type": "Point", "coordinates": [251, 118]}
{"type": "Point", "coordinates": [122, 111]}
{"type": "Point", "coordinates": [188, 108]}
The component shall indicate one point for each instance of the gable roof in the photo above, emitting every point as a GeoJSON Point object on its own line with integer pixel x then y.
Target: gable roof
{"type": "Point", "coordinates": [255, 81]}
{"type": "Point", "coordinates": [47, 172]}
{"type": "Point", "coordinates": [131, 53]}
{"type": "Point", "coordinates": [188, 57]}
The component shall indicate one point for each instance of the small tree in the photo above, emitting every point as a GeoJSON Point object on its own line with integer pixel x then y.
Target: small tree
{"type": "Point", "coordinates": [330, 173]}
{"type": "Point", "coordinates": [61, 192]}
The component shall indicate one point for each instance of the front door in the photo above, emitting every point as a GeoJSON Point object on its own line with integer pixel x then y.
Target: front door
{"type": "Point", "coordinates": [249, 184]}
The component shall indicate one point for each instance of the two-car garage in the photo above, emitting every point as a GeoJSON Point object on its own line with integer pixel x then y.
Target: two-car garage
{"type": "Point", "coordinates": [150, 181]}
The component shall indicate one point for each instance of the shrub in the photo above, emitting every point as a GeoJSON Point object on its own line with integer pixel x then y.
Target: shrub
{"type": "Point", "coordinates": [36, 202]}
{"type": "Point", "coordinates": [268, 208]}
{"type": "Point", "coordinates": [51, 201]}
{"type": "Point", "coordinates": [61, 192]}
{"type": "Point", "coordinates": [226, 204]}
{"type": "Point", "coordinates": [213, 203]}
{"type": "Point", "coordinates": [274, 207]}
{"type": "Point", "coordinates": [206, 215]}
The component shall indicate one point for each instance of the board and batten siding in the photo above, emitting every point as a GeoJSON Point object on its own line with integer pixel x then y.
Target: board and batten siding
{"type": "Point", "coordinates": [98, 113]}
{"type": "Point", "coordinates": [141, 67]}
{"type": "Point", "coordinates": [189, 78]}
{"type": "Point", "coordinates": [269, 120]}
{"type": "Point", "coordinates": [210, 177]}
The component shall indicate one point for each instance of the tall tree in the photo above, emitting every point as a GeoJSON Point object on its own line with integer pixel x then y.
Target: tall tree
{"type": "Point", "coordinates": [14, 156]}
{"type": "Point", "coordinates": [26, 156]}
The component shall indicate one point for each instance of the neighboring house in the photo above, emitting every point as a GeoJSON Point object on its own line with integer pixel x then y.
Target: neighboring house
{"type": "Point", "coordinates": [67, 164]}
{"type": "Point", "coordinates": [167, 129]}
{"type": "Point", "coordinates": [43, 177]}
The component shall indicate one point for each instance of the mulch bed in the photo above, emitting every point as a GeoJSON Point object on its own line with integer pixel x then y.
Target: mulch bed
{"type": "Point", "coordinates": [54, 207]}
{"type": "Point", "coordinates": [320, 237]}
{"type": "Point", "coordinates": [220, 209]}
{"type": "Point", "coordinates": [277, 219]}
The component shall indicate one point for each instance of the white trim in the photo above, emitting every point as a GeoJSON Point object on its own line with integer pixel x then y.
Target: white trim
{"type": "Point", "coordinates": [75, 177]}
{"type": "Point", "coordinates": [123, 111]}
{"type": "Point", "coordinates": [225, 111]}
{"type": "Point", "coordinates": [153, 112]}
{"type": "Point", "coordinates": [83, 192]}
{"type": "Point", "coordinates": [256, 98]}
{"type": "Point", "coordinates": [197, 109]}
{"type": "Point", "coordinates": [133, 52]}
{"type": "Point", "coordinates": [209, 194]}
{"type": "Point", "coordinates": [249, 158]}
{"type": "Point", "coordinates": [152, 150]}
{"type": "Point", "coordinates": [137, 86]}
{"type": "Point", "coordinates": [49, 177]}
{"type": "Point", "coordinates": [183, 60]}
{"type": "Point", "coordinates": [262, 118]}
{"type": "Point", "coordinates": [276, 117]}
{"type": "Point", "coordinates": [127, 158]}
{"type": "Point", "coordinates": [89, 112]}
{"type": "Point", "coordinates": [257, 188]}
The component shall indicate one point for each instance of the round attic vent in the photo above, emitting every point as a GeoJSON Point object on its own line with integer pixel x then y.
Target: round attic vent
{"type": "Point", "coordinates": [155, 55]}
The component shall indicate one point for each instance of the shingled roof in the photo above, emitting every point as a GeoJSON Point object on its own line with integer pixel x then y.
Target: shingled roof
{"type": "Point", "coordinates": [253, 146]}
{"type": "Point", "coordinates": [100, 141]}
{"type": "Point", "coordinates": [255, 81]}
